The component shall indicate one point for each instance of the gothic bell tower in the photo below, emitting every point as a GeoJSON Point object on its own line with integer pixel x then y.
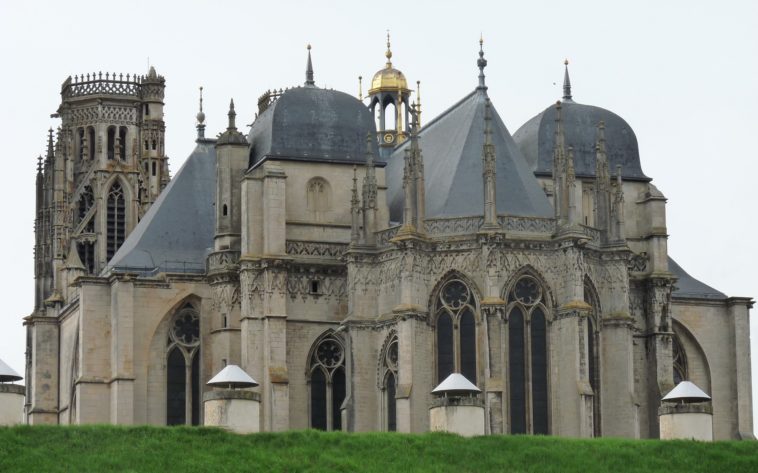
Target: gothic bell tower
{"type": "Point", "coordinates": [105, 167]}
{"type": "Point", "coordinates": [389, 101]}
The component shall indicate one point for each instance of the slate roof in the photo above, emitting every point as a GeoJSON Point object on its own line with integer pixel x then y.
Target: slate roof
{"type": "Point", "coordinates": [452, 148]}
{"type": "Point", "coordinates": [313, 124]}
{"type": "Point", "coordinates": [689, 287]}
{"type": "Point", "coordinates": [536, 140]}
{"type": "Point", "coordinates": [177, 231]}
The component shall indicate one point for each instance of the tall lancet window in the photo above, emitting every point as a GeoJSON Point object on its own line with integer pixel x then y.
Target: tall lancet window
{"type": "Point", "coordinates": [326, 379]}
{"type": "Point", "coordinates": [593, 353]}
{"type": "Point", "coordinates": [680, 360]}
{"type": "Point", "coordinates": [389, 384]}
{"type": "Point", "coordinates": [116, 219]}
{"type": "Point", "coordinates": [183, 368]}
{"type": "Point", "coordinates": [527, 357]}
{"type": "Point", "coordinates": [455, 325]}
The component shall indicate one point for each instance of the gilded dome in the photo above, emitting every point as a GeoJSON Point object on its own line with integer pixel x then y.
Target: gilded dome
{"type": "Point", "coordinates": [388, 78]}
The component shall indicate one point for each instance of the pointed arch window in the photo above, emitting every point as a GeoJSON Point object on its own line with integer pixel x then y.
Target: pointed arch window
{"type": "Point", "coordinates": [116, 219]}
{"type": "Point", "coordinates": [455, 325]}
{"type": "Point", "coordinates": [527, 357]}
{"type": "Point", "coordinates": [183, 368]}
{"type": "Point", "coordinates": [680, 360]}
{"type": "Point", "coordinates": [326, 379]}
{"type": "Point", "coordinates": [389, 384]}
{"type": "Point", "coordinates": [593, 353]}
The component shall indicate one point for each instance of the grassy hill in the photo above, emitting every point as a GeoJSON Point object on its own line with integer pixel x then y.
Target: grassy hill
{"type": "Point", "coordinates": [162, 449]}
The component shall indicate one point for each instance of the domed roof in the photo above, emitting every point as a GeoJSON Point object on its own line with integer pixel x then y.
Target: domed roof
{"type": "Point", "coordinates": [388, 78]}
{"type": "Point", "coordinates": [312, 124]}
{"type": "Point", "coordinates": [536, 139]}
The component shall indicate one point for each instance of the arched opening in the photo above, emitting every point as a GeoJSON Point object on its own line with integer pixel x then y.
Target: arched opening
{"type": "Point", "coordinates": [318, 195]}
{"type": "Point", "coordinates": [86, 250]}
{"type": "Point", "coordinates": [111, 142]}
{"type": "Point", "coordinates": [327, 383]}
{"type": "Point", "coordinates": [81, 143]}
{"type": "Point", "coordinates": [116, 219]}
{"type": "Point", "coordinates": [183, 389]}
{"type": "Point", "coordinates": [679, 361]}
{"type": "Point", "coordinates": [91, 141]}
{"type": "Point", "coordinates": [388, 385]}
{"type": "Point", "coordinates": [390, 114]}
{"type": "Point", "coordinates": [455, 324]}
{"type": "Point", "coordinates": [122, 132]}
{"type": "Point", "coordinates": [528, 357]}
{"type": "Point", "coordinates": [593, 353]}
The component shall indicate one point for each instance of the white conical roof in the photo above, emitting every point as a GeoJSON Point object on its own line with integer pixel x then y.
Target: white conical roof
{"type": "Point", "coordinates": [456, 382]}
{"type": "Point", "coordinates": [7, 373]}
{"type": "Point", "coordinates": [232, 376]}
{"type": "Point", "coordinates": [686, 391]}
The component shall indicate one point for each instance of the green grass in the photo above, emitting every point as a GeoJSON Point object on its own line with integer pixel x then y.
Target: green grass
{"type": "Point", "coordinates": [161, 449]}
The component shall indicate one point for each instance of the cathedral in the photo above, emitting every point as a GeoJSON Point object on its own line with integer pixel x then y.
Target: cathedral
{"type": "Point", "coordinates": [349, 257]}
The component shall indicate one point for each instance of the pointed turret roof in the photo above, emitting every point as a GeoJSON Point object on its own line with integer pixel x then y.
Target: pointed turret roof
{"type": "Point", "coordinates": [7, 373]}
{"type": "Point", "coordinates": [452, 145]}
{"type": "Point", "coordinates": [232, 376]}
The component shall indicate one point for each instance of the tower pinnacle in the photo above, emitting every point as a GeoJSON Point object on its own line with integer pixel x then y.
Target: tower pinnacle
{"type": "Point", "coordinates": [388, 54]}
{"type": "Point", "coordinates": [481, 63]}
{"type": "Point", "coordinates": [566, 82]}
{"type": "Point", "coordinates": [201, 118]}
{"type": "Point", "coordinates": [309, 70]}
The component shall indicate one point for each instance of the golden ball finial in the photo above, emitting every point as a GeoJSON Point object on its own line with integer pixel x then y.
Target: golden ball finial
{"type": "Point", "coordinates": [309, 46]}
{"type": "Point", "coordinates": [565, 62]}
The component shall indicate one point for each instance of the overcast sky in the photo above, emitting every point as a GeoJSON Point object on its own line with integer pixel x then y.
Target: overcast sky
{"type": "Point", "coordinates": [682, 73]}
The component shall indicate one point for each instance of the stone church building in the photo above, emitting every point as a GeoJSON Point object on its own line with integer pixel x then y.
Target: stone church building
{"type": "Point", "coordinates": [350, 257]}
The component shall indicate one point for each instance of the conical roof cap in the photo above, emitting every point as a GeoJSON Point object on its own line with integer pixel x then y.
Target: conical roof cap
{"type": "Point", "coordinates": [7, 374]}
{"type": "Point", "coordinates": [456, 382]}
{"type": "Point", "coordinates": [686, 391]}
{"type": "Point", "coordinates": [232, 376]}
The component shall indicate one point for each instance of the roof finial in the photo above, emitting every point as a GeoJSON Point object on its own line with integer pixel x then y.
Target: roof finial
{"type": "Point", "coordinates": [232, 115]}
{"type": "Point", "coordinates": [39, 164]}
{"type": "Point", "coordinates": [360, 87]}
{"type": "Point", "coordinates": [566, 82]}
{"type": "Point", "coordinates": [388, 54]}
{"type": "Point", "coordinates": [481, 63]}
{"type": "Point", "coordinates": [201, 118]}
{"type": "Point", "coordinates": [309, 69]}
{"type": "Point", "coordinates": [418, 102]}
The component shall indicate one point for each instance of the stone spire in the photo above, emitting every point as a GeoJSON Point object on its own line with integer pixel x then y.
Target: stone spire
{"type": "Point", "coordinates": [355, 211]}
{"type": "Point", "coordinates": [560, 197]}
{"type": "Point", "coordinates": [232, 117]}
{"type": "Point", "coordinates": [602, 183]}
{"type": "Point", "coordinates": [201, 118]}
{"type": "Point", "coordinates": [369, 196]}
{"type": "Point", "coordinates": [566, 83]}
{"type": "Point", "coordinates": [231, 135]}
{"type": "Point", "coordinates": [489, 171]}
{"type": "Point", "coordinates": [417, 108]}
{"type": "Point", "coordinates": [481, 64]}
{"type": "Point", "coordinates": [309, 70]}
{"type": "Point", "coordinates": [413, 183]}
{"type": "Point", "coordinates": [573, 201]}
{"type": "Point", "coordinates": [617, 211]}
{"type": "Point", "coordinates": [50, 145]}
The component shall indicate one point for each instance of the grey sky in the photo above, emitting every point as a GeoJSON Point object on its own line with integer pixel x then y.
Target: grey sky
{"type": "Point", "coordinates": [682, 73]}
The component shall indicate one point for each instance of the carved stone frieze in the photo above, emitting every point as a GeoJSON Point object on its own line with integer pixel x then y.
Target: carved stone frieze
{"type": "Point", "coordinates": [320, 249]}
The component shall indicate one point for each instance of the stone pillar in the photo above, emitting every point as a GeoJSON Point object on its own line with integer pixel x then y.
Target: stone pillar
{"type": "Point", "coordinates": [44, 387]}
{"type": "Point", "coordinates": [619, 414]}
{"type": "Point", "coordinates": [122, 352]}
{"type": "Point", "coordinates": [686, 421]}
{"type": "Point", "coordinates": [658, 331]}
{"type": "Point", "coordinates": [233, 410]}
{"type": "Point", "coordinates": [11, 404]}
{"type": "Point", "coordinates": [739, 310]}
{"type": "Point", "coordinates": [462, 415]}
